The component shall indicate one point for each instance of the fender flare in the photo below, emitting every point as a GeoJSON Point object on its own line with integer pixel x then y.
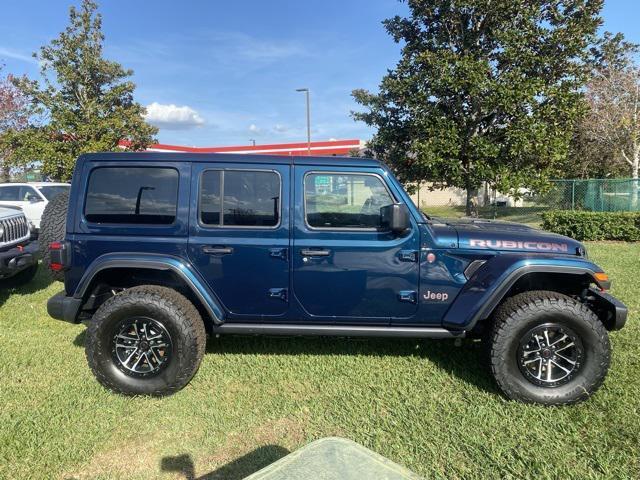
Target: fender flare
{"type": "Point", "coordinates": [481, 299]}
{"type": "Point", "coordinates": [154, 262]}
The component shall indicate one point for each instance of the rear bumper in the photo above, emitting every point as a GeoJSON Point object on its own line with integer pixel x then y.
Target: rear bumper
{"type": "Point", "coordinates": [611, 310]}
{"type": "Point", "coordinates": [18, 258]}
{"type": "Point", "coordinates": [65, 308]}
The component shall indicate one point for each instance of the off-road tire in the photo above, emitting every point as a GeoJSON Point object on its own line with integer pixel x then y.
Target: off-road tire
{"type": "Point", "coordinates": [521, 313]}
{"type": "Point", "coordinates": [169, 308]}
{"type": "Point", "coordinates": [21, 278]}
{"type": "Point", "coordinates": [52, 229]}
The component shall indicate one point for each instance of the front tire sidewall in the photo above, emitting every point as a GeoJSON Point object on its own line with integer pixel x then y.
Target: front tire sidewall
{"type": "Point", "coordinates": [589, 377]}
{"type": "Point", "coordinates": [170, 378]}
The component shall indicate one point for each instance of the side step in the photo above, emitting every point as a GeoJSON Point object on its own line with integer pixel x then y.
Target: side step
{"type": "Point", "coordinates": [334, 330]}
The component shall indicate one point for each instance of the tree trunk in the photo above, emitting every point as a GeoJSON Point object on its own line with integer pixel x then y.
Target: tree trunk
{"type": "Point", "coordinates": [634, 175]}
{"type": "Point", "coordinates": [471, 208]}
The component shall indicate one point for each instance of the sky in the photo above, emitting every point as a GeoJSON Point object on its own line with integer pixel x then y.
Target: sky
{"type": "Point", "coordinates": [214, 73]}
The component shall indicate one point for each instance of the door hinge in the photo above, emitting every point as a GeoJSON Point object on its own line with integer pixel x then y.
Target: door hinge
{"type": "Point", "coordinates": [410, 296]}
{"type": "Point", "coordinates": [279, 293]}
{"type": "Point", "coordinates": [408, 256]}
{"type": "Point", "coordinates": [282, 253]}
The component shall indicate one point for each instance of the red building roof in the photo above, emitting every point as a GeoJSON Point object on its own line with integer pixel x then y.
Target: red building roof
{"type": "Point", "coordinates": [328, 148]}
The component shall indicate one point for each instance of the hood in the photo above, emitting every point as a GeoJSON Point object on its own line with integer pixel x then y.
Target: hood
{"type": "Point", "coordinates": [480, 234]}
{"type": "Point", "coordinates": [8, 211]}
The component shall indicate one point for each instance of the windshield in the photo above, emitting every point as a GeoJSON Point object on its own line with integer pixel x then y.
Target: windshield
{"type": "Point", "coordinates": [51, 191]}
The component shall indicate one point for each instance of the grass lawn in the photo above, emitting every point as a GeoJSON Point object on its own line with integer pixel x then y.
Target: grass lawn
{"type": "Point", "coordinates": [529, 215]}
{"type": "Point", "coordinates": [427, 405]}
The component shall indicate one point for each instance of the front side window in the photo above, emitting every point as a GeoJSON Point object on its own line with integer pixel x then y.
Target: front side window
{"type": "Point", "coordinates": [134, 195]}
{"type": "Point", "coordinates": [10, 194]}
{"type": "Point", "coordinates": [335, 200]}
{"type": "Point", "coordinates": [240, 198]}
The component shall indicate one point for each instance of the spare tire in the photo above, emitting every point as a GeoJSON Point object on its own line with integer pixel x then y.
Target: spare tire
{"type": "Point", "coordinates": [52, 229]}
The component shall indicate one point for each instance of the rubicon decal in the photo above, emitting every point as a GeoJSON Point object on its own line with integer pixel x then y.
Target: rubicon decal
{"type": "Point", "coordinates": [511, 244]}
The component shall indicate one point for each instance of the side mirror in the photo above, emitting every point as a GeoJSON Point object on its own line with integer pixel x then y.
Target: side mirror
{"type": "Point", "coordinates": [34, 199]}
{"type": "Point", "coordinates": [395, 218]}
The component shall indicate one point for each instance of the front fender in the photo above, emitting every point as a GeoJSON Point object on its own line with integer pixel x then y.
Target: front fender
{"type": "Point", "coordinates": [491, 282]}
{"type": "Point", "coordinates": [152, 261]}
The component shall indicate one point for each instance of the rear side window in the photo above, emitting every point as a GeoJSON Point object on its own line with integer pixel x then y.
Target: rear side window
{"type": "Point", "coordinates": [240, 198]}
{"type": "Point", "coordinates": [136, 195]}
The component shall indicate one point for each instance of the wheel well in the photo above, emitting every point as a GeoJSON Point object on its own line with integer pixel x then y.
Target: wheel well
{"type": "Point", "coordinates": [108, 282]}
{"type": "Point", "coordinates": [570, 284]}
{"type": "Point", "coordinates": [566, 283]}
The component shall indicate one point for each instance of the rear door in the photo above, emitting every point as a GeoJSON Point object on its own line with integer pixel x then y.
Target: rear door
{"type": "Point", "coordinates": [239, 239]}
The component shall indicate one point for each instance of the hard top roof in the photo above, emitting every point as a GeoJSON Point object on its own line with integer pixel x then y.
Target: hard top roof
{"type": "Point", "coordinates": [228, 158]}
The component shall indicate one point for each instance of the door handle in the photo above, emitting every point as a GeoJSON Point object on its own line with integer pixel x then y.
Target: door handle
{"type": "Point", "coordinates": [309, 252]}
{"type": "Point", "coordinates": [218, 250]}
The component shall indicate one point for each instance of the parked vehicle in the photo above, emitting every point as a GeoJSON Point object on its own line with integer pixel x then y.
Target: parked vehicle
{"type": "Point", "coordinates": [160, 248]}
{"type": "Point", "coordinates": [32, 198]}
{"type": "Point", "coordinates": [18, 253]}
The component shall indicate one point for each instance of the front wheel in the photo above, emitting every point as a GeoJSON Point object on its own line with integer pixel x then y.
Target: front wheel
{"type": "Point", "coordinates": [548, 348]}
{"type": "Point", "coordinates": [146, 340]}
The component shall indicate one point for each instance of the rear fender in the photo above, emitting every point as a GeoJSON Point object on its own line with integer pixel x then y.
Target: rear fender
{"type": "Point", "coordinates": [491, 282]}
{"type": "Point", "coordinates": [154, 262]}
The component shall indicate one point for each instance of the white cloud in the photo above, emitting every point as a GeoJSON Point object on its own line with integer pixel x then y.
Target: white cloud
{"type": "Point", "coordinates": [281, 128]}
{"type": "Point", "coordinates": [173, 117]}
{"type": "Point", "coordinates": [253, 128]}
{"type": "Point", "coordinates": [10, 53]}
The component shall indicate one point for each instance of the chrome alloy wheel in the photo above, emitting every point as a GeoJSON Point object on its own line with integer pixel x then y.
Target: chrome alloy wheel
{"type": "Point", "coordinates": [550, 355]}
{"type": "Point", "coordinates": [141, 347]}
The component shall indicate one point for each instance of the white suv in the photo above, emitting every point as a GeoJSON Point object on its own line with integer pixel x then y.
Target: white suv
{"type": "Point", "coordinates": [31, 198]}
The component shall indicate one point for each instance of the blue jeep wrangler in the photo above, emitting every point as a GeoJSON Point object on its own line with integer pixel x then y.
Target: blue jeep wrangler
{"type": "Point", "coordinates": [159, 249]}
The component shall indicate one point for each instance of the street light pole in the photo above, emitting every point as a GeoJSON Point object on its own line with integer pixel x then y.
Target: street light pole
{"type": "Point", "coordinates": [306, 91]}
{"type": "Point", "coordinates": [253, 141]}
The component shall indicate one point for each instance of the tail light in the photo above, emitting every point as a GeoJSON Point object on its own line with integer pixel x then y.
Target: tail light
{"type": "Point", "coordinates": [58, 252]}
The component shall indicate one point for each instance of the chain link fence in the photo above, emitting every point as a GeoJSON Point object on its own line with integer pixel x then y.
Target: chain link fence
{"type": "Point", "coordinates": [597, 195]}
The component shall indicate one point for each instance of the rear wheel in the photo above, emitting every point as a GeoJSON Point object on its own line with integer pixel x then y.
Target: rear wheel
{"type": "Point", "coordinates": [147, 340]}
{"type": "Point", "coordinates": [53, 229]}
{"type": "Point", "coordinates": [548, 348]}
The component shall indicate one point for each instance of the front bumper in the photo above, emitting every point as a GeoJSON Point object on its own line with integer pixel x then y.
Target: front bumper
{"type": "Point", "coordinates": [18, 258]}
{"type": "Point", "coordinates": [63, 307]}
{"type": "Point", "coordinates": [611, 311]}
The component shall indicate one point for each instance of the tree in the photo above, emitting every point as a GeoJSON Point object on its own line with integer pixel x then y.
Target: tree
{"type": "Point", "coordinates": [87, 100]}
{"type": "Point", "coordinates": [613, 96]}
{"type": "Point", "coordinates": [592, 156]}
{"type": "Point", "coordinates": [14, 116]}
{"type": "Point", "coordinates": [485, 91]}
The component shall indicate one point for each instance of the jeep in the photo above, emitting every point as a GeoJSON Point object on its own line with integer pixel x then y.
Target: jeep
{"type": "Point", "coordinates": [18, 251]}
{"type": "Point", "coordinates": [157, 250]}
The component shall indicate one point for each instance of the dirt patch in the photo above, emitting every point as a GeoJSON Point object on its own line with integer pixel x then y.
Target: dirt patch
{"type": "Point", "coordinates": [130, 458]}
{"type": "Point", "coordinates": [243, 451]}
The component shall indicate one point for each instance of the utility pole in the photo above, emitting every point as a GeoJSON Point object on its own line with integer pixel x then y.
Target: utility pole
{"type": "Point", "coordinates": [306, 91]}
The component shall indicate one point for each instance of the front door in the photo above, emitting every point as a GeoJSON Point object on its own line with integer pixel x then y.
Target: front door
{"type": "Point", "coordinates": [345, 267]}
{"type": "Point", "coordinates": [239, 239]}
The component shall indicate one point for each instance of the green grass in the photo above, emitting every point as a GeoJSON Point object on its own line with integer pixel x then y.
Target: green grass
{"type": "Point", "coordinates": [529, 215]}
{"type": "Point", "coordinates": [429, 406]}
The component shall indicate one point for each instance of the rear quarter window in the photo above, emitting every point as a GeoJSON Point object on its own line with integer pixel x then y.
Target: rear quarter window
{"type": "Point", "coordinates": [133, 195]}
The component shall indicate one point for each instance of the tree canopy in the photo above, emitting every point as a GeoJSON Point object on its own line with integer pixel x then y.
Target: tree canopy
{"type": "Point", "coordinates": [485, 91]}
{"type": "Point", "coordinates": [85, 102]}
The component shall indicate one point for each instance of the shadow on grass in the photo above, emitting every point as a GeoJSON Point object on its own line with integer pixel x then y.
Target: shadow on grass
{"type": "Point", "coordinates": [237, 469]}
{"type": "Point", "coordinates": [41, 281]}
{"type": "Point", "coordinates": [466, 362]}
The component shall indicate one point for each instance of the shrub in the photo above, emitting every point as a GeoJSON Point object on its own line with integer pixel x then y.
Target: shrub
{"type": "Point", "coordinates": [624, 226]}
